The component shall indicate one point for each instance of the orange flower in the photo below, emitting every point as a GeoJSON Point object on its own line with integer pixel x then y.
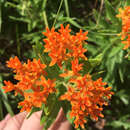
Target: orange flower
{"type": "Point", "coordinates": [125, 34]}
{"type": "Point", "coordinates": [87, 97]}
{"type": "Point", "coordinates": [26, 106]}
{"type": "Point", "coordinates": [32, 83]}
{"type": "Point", "coordinates": [9, 86]}
{"type": "Point", "coordinates": [62, 45]}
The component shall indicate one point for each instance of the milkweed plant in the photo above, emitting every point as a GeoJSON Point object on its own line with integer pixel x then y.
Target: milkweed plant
{"type": "Point", "coordinates": [60, 77]}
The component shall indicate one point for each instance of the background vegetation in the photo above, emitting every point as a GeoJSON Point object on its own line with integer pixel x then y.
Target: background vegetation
{"type": "Point", "coordinates": [22, 23]}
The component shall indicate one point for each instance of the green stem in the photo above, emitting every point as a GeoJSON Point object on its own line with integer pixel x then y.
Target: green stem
{"type": "Point", "coordinates": [44, 4]}
{"type": "Point", "coordinates": [67, 8]}
{"type": "Point", "coordinates": [58, 12]}
{"type": "Point", "coordinates": [45, 19]}
{"type": "Point", "coordinates": [44, 13]}
{"type": "Point", "coordinates": [105, 34]}
{"type": "Point", "coordinates": [41, 58]}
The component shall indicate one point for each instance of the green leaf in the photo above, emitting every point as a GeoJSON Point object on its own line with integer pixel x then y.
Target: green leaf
{"type": "Point", "coordinates": [53, 107]}
{"type": "Point", "coordinates": [127, 2]}
{"type": "Point", "coordinates": [111, 63]}
{"type": "Point", "coordinates": [115, 50]}
{"type": "Point", "coordinates": [66, 106]}
{"type": "Point", "coordinates": [51, 100]}
{"type": "Point", "coordinates": [129, 57]}
{"type": "Point", "coordinates": [118, 124]}
{"type": "Point", "coordinates": [90, 48]}
{"type": "Point", "coordinates": [53, 72]}
{"type": "Point", "coordinates": [110, 12]}
{"type": "Point", "coordinates": [52, 116]}
{"type": "Point", "coordinates": [91, 23]}
{"type": "Point", "coordinates": [95, 61]}
{"type": "Point", "coordinates": [26, 20]}
{"type": "Point", "coordinates": [91, 63]}
{"type": "Point", "coordinates": [121, 74]}
{"type": "Point", "coordinates": [122, 94]}
{"type": "Point", "coordinates": [61, 89]}
{"type": "Point", "coordinates": [100, 20]}
{"type": "Point", "coordinates": [74, 23]}
{"type": "Point", "coordinates": [125, 99]}
{"type": "Point", "coordinates": [68, 117]}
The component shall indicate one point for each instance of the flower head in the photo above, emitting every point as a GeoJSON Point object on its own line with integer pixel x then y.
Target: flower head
{"type": "Point", "coordinates": [87, 98]}
{"type": "Point", "coordinates": [32, 84]}
{"type": "Point", "coordinates": [62, 45]}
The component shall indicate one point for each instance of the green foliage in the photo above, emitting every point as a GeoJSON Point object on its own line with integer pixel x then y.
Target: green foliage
{"type": "Point", "coordinates": [50, 111]}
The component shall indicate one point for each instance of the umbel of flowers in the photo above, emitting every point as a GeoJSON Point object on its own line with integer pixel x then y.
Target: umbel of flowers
{"type": "Point", "coordinates": [125, 34]}
{"type": "Point", "coordinates": [86, 96]}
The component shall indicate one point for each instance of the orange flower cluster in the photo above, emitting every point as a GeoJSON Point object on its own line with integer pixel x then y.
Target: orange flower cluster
{"type": "Point", "coordinates": [125, 34]}
{"type": "Point", "coordinates": [32, 84]}
{"type": "Point", "coordinates": [62, 45]}
{"type": "Point", "coordinates": [85, 95]}
{"type": "Point", "coordinates": [87, 98]}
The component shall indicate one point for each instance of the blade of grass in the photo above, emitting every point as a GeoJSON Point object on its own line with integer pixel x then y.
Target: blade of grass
{"type": "Point", "coordinates": [57, 13]}
{"type": "Point", "coordinates": [45, 19]}
{"type": "Point", "coordinates": [44, 13]}
{"type": "Point", "coordinates": [67, 8]}
{"type": "Point", "coordinates": [44, 4]}
{"type": "Point", "coordinates": [10, 4]}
